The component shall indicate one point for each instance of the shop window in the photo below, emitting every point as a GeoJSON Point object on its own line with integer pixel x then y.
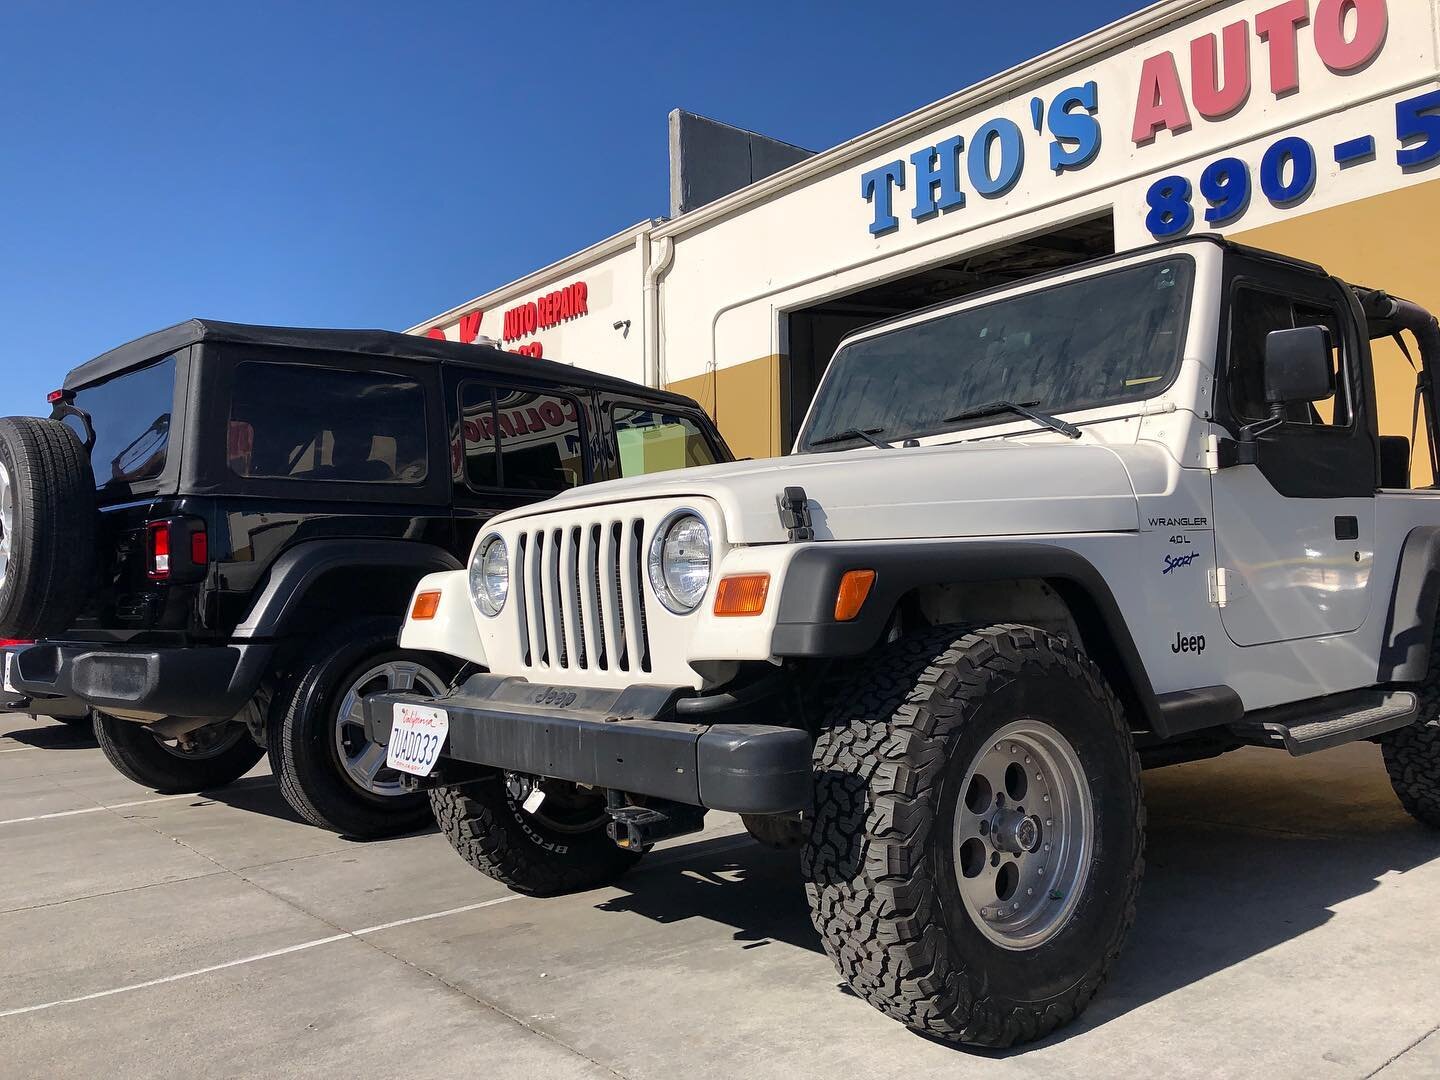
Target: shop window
{"type": "Point", "coordinates": [521, 440]}
{"type": "Point", "coordinates": [652, 442]}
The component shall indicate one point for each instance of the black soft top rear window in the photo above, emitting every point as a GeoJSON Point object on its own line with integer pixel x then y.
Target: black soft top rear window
{"type": "Point", "coordinates": [131, 417]}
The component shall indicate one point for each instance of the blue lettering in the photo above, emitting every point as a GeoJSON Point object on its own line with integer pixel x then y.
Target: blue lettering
{"type": "Point", "coordinates": [1174, 562]}
{"type": "Point", "coordinates": [937, 178]}
{"type": "Point", "coordinates": [877, 187]}
{"type": "Point", "coordinates": [1080, 128]}
{"type": "Point", "coordinates": [1012, 157]}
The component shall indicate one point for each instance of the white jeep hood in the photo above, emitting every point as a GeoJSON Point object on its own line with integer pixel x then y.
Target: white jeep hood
{"type": "Point", "coordinates": [987, 489]}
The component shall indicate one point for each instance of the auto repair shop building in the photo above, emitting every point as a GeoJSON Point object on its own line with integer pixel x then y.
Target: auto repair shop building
{"type": "Point", "coordinates": [1310, 127]}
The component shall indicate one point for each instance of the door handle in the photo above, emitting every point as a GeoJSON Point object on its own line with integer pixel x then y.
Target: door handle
{"type": "Point", "coordinates": [1347, 528]}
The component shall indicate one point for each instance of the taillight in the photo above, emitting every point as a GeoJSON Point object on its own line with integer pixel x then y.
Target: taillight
{"type": "Point", "coordinates": [176, 550]}
{"type": "Point", "coordinates": [56, 395]}
{"type": "Point", "coordinates": [158, 548]}
{"type": "Point", "coordinates": [8, 642]}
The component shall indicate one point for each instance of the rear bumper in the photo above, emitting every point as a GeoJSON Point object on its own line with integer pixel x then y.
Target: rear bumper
{"type": "Point", "coordinates": [626, 740]}
{"type": "Point", "coordinates": [211, 682]}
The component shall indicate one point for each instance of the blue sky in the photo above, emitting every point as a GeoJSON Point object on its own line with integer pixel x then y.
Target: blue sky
{"type": "Point", "coordinates": [371, 164]}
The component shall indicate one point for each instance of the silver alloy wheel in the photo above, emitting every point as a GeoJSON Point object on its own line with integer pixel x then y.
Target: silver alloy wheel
{"type": "Point", "coordinates": [1024, 833]}
{"type": "Point", "coordinates": [363, 760]}
{"type": "Point", "coordinates": [7, 522]}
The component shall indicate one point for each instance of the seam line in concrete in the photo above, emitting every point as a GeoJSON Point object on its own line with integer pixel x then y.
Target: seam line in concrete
{"type": "Point", "coordinates": [1403, 1052]}
{"type": "Point", "coordinates": [671, 856]}
{"type": "Point", "coordinates": [347, 935]}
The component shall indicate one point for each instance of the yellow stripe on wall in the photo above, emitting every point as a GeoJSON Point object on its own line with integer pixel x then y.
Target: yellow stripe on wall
{"type": "Point", "coordinates": [744, 402]}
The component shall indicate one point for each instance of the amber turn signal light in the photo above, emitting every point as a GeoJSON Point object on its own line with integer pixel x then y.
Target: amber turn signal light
{"type": "Point", "coordinates": [425, 606]}
{"type": "Point", "coordinates": [742, 594]}
{"type": "Point", "coordinates": [854, 588]}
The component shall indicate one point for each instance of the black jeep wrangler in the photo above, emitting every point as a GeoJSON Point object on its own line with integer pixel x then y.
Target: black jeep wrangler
{"type": "Point", "coordinates": [215, 535]}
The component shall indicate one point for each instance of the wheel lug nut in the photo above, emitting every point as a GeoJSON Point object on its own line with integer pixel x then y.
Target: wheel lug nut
{"type": "Point", "coordinates": [1029, 892]}
{"type": "Point", "coordinates": [1046, 798]}
{"type": "Point", "coordinates": [1048, 822]}
{"type": "Point", "coordinates": [1027, 759]}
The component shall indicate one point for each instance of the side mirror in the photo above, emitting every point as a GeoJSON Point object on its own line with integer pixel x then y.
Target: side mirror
{"type": "Point", "coordinates": [1298, 366]}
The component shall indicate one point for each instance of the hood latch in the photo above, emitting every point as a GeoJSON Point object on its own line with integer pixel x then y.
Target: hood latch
{"type": "Point", "coordinates": [795, 514]}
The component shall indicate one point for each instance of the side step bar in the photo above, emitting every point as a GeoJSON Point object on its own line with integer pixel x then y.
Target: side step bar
{"type": "Point", "coordinates": [1304, 727]}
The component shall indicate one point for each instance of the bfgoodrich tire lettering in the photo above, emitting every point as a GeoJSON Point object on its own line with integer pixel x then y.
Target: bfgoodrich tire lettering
{"type": "Point", "coordinates": [495, 834]}
{"type": "Point", "coordinates": [880, 865]}
{"type": "Point", "coordinates": [47, 527]}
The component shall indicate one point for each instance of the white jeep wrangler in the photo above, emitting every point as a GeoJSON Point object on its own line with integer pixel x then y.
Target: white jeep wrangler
{"type": "Point", "coordinates": [1133, 513]}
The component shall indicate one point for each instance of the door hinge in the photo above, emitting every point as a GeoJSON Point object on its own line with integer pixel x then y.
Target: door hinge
{"type": "Point", "coordinates": [1225, 586]}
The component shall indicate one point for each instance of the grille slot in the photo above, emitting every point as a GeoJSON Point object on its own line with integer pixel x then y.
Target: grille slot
{"type": "Point", "coordinates": [580, 597]}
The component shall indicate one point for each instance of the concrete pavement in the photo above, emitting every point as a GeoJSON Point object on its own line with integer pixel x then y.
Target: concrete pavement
{"type": "Point", "coordinates": [1287, 928]}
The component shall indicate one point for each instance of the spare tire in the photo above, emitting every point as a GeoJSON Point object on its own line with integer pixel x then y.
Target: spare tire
{"type": "Point", "coordinates": [47, 527]}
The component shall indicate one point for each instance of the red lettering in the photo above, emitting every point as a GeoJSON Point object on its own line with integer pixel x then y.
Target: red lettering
{"type": "Point", "coordinates": [581, 293]}
{"type": "Point", "coordinates": [506, 428]}
{"type": "Point", "coordinates": [470, 325]}
{"type": "Point", "coordinates": [472, 431]}
{"type": "Point", "coordinates": [436, 333]}
{"type": "Point", "coordinates": [1341, 55]}
{"type": "Point", "coordinates": [570, 411]}
{"type": "Point", "coordinates": [536, 424]}
{"type": "Point", "coordinates": [551, 414]}
{"type": "Point", "coordinates": [532, 317]}
{"type": "Point", "coordinates": [565, 302]}
{"type": "Point", "coordinates": [1214, 97]}
{"type": "Point", "coordinates": [1279, 28]}
{"type": "Point", "coordinates": [1161, 103]}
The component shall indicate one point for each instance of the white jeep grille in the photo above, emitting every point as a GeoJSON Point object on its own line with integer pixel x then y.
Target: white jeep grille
{"type": "Point", "coordinates": [579, 596]}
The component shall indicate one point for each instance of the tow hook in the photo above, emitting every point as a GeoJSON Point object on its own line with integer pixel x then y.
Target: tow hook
{"type": "Point", "coordinates": [639, 828]}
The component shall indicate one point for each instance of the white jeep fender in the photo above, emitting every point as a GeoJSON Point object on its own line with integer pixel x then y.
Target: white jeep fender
{"type": "Point", "coordinates": [453, 629]}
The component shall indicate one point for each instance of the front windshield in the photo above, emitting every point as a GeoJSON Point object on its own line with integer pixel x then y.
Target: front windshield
{"type": "Point", "coordinates": [1098, 340]}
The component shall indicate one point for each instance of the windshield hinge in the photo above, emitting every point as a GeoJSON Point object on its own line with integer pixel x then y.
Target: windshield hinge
{"type": "Point", "coordinates": [795, 514]}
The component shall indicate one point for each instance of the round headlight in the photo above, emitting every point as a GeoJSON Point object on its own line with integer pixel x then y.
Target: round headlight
{"type": "Point", "coordinates": [490, 575]}
{"type": "Point", "coordinates": [679, 562]}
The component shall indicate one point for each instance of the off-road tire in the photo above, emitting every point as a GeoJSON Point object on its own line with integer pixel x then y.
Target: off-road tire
{"type": "Point", "coordinates": [301, 735]}
{"type": "Point", "coordinates": [139, 755]}
{"type": "Point", "coordinates": [1412, 754]}
{"type": "Point", "coordinates": [494, 834]}
{"type": "Point", "coordinates": [52, 547]}
{"type": "Point", "coordinates": [877, 864]}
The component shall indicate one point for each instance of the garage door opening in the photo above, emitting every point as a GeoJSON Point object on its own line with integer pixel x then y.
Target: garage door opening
{"type": "Point", "coordinates": [814, 332]}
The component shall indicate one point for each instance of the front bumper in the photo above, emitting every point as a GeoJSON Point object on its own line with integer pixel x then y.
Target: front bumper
{"type": "Point", "coordinates": [626, 740]}
{"type": "Point", "coordinates": [210, 682]}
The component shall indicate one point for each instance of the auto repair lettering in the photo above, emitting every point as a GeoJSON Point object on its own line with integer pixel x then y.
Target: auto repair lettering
{"type": "Point", "coordinates": [1249, 64]}
{"type": "Point", "coordinates": [552, 309]}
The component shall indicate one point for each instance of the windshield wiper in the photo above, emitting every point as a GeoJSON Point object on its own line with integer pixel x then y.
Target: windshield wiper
{"type": "Point", "coordinates": [1019, 408]}
{"type": "Point", "coordinates": [868, 434]}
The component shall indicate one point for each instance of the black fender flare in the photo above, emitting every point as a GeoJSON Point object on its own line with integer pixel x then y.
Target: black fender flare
{"type": "Point", "coordinates": [806, 625]}
{"type": "Point", "coordinates": [300, 567]}
{"type": "Point", "coordinates": [1414, 601]}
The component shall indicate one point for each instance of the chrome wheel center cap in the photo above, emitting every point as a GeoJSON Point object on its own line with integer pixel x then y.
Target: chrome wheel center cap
{"type": "Point", "coordinates": [1015, 832]}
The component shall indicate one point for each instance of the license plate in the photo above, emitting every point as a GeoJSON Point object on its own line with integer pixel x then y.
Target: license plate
{"type": "Point", "coordinates": [416, 738]}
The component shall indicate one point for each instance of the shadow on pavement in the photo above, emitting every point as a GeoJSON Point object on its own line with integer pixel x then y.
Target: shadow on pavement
{"type": "Point", "coordinates": [56, 736]}
{"type": "Point", "coordinates": [261, 795]}
{"type": "Point", "coordinates": [1226, 879]}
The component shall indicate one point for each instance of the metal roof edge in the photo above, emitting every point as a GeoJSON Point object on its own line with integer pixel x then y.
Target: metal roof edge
{"type": "Point", "coordinates": [601, 248]}
{"type": "Point", "coordinates": [1006, 82]}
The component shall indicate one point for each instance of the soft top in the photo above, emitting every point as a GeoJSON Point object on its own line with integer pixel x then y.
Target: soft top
{"type": "Point", "coordinates": [372, 342]}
